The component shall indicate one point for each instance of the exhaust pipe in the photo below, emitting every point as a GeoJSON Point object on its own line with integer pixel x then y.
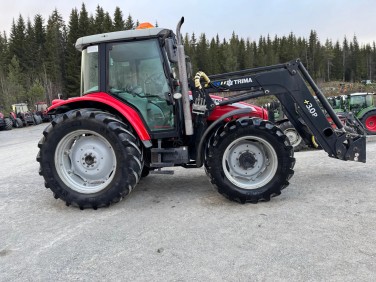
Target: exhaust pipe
{"type": "Point", "coordinates": [184, 81]}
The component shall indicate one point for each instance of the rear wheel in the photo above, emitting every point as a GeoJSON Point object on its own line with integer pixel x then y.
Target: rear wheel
{"type": "Point", "coordinates": [250, 160]}
{"type": "Point", "coordinates": [296, 140]}
{"type": "Point", "coordinates": [19, 123]}
{"type": "Point", "coordinates": [369, 122]}
{"type": "Point", "coordinates": [89, 158]}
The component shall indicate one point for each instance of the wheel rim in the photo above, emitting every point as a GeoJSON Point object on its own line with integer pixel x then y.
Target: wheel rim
{"type": "Point", "coordinates": [250, 162]}
{"type": "Point", "coordinates": [85, 161]}
{"type": "Point", "coordinates": [294, 137]}
{"type": "Point", "coordinates": [371, 123]}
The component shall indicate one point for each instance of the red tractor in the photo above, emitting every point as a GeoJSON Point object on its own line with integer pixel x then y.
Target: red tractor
{"type": "Point", "coordinates": [41, 111]}
{"type": "Point", "coordinates": [5, 123]}
{"type": "Point", "coordinates": [141, 111]}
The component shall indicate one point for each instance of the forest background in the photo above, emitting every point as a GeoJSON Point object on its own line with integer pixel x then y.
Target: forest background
{"type": "Point", "coordinates": [38, 60]}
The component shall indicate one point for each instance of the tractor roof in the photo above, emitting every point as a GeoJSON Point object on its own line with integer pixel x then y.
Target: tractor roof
{"type": "Point", "coordinates": [362, 93]}
{"type": "Point", "coordinates": [120, 35]}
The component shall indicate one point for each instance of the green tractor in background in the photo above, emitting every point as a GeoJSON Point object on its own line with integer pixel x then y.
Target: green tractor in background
{"type": "Point", "coordinates": [361, 104]}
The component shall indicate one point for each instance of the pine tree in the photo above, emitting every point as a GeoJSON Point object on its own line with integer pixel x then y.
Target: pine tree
{"type": "Point", "coordinates": [17, 41]}
{"type": "Point", "coordinates": [15, 90]}
{"type": "Point", "coordinates": [129, 24]}
{"type": "Point", "coordinates": [3, 52]}
{"type": "Point", "coordinates": [249, 55]}
{"type": "Point", "coordinates": [329, 55]}
{"type": "Point", "coordinates": [213, 57]}
{"type": "Point", "coordinates": [85, 27]}
{"type": "Point", "coordinates": [73, 57]}
{"type": "Point", "coordinates": [107, 23]}
{"type": "Point", "coordinates": [119, 23]}
{"type": "Point", "coordinates": [40, 41]}
{"type": "Point", "coordinates": [99, 20]}
{"type": "Point", "coordinates": [337, 66]}
{"type": "Point", "coordinates": [30, 53]}
{"type": "Point", "coordinates": [54, 74]}
{"type": "Point", "coordinates": [346, 75]}
{"type": "Point", "coordinates": [202, 54]}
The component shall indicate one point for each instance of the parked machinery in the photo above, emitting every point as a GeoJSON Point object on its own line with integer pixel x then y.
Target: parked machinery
{"type": "Point", "coordinates": [5, 123]}
{"type": "Point", "coordinates": [136, 115]}
{"type": "Point", "coordinates": [22, 112]}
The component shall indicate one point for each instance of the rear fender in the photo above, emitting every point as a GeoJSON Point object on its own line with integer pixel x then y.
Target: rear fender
{"type": "Point", "coordinates": [108, 103]}
{"type": "Point", "coordinates": [364, 111]}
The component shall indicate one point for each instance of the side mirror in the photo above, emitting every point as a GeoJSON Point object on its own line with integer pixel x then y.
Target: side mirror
{"type": "Point", "coordinates": [171, 50]}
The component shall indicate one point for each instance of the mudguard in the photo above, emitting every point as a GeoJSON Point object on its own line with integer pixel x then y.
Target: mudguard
{"type": "Point", "coordinates": [103, 100]}
{"type": "Point", "coordinates": [364, 111]}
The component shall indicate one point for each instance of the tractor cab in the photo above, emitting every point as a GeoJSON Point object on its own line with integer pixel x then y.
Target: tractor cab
{"type": "Point", "coordinates": [132, 66]}
{"type": "Point", "coordinates": [360, 101]}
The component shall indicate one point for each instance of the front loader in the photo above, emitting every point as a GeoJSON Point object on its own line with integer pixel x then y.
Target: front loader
{"type": "Point", "coordinates": [140, 111]}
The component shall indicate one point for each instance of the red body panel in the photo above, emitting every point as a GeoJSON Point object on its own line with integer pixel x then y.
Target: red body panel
{"type": "Point", "coordinates": [130, 114]}
{"type": "Point", "coordinates": [221, 110]}
{"type": "Point", "coordinates": [133, 117]}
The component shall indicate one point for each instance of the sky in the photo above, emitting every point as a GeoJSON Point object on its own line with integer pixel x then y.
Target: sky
{"type": "Point", "coordinates": [331, 19]}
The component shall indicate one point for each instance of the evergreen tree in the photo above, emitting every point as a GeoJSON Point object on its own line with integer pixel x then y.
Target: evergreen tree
{"type": "Point", "coordinates": [119, 23]}
{"type": "Point", "coordinates": [249, 55]}
{"type": "Point", "coordinates": [40, 44]}
{"type": "Point", "coordinates": [241, 54]}
{"type": "Point", "coordinates": [85, 27]}
{"type": "Point", "coordinates": [3, 52]}
{"type": "Point", "coordinates": [230, 53]}
{"type": "Point", "coordinates": [73, 57]}
{"type": "Point", "coordinates": [346, 75]}
{"type": "Point", "coordinates": [357, 65]}
{"type": "Point", "coordinates": [213, 57]}
{"type": "Point", "coordinates": [17, 41]}
{"type": "Point", "coordinates": [129, 24]}
{"type": "Point", "coordinates": [99, 20]}
{"type": "Point", "coordinates": [337, 66]}
{"type": "Point", "coordinates": [15, 92]}
{"type": "Point", "coordinates": [31, 49]}
{"type": "Point", "coordinates": [329, 55]}
{"type": "Point", "coordinates": [260, 58]}
{"type": "Point", "coordinates": [312, 63]}
{"type": "Point", "coordinates": [202, 54]}
{"type": "Point", "coordinates": [54, 73]}
{"type": "Point", "coordinates": [107, 23]}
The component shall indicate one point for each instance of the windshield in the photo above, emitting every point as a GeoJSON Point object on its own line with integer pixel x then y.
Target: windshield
{"type": "Point", "coordinates": [89, 70]}
{"type": "Point", "coordinates": [136, 75]}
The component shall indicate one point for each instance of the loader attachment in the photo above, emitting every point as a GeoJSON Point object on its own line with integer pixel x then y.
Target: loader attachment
{"type": "Point", "coordinates": [295, 89]}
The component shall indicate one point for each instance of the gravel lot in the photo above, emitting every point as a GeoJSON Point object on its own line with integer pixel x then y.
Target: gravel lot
{"type": "Point", "coordinates": [178, 228]}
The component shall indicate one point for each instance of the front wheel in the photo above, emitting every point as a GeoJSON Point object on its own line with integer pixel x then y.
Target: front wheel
{"type": "Point", "coordinates": [250, 160]}
{"type": "Point", "coordinates": [369, 122]}
{"type": "Point", "coordinates": [89, 158]}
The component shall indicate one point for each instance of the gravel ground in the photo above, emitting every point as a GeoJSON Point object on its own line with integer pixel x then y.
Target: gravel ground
{"type": "Point", "coordinates": [178, 228]}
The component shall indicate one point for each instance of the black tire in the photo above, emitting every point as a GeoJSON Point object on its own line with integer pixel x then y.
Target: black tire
{"type": "Point", "coordinates": [37, 119]}
{"type": "Point", "coordinates": [248, 149]}
{"type": "Point", "coordinates": [19, 123]}
{"type": "Point", "coordinates": [296, 140]}
{"type": "Point", "coordinates": [369, 122]}
{"type": "Point", "coordinates": [145, 171]}
{"type": "Point", "coordinates": [89, 159]}
{"type": "Point", "coordinates": [8, 124]}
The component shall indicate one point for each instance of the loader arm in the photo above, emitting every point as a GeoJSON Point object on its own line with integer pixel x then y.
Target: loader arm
{"type": "Point", "coordinates": [290, 84]}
